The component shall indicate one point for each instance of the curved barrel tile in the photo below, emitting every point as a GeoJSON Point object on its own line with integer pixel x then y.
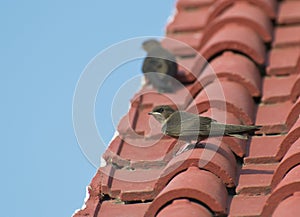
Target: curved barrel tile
{"type": "Point", "coordinates": [287, 187]}
{"type": "Point", "coordinates": [289, 140]}
{"type": "Point", "coordinates": [289, 207]}
{"type": "Point", "coordinates": [184, 208]}
{"type": "Point", "coordinates": [236, 38]}
{"type": "Point", "coordinates": [295, 92]}
{"type": "Point", "coordinates": [195, 184]}
{"type": "Point", "coordinates": [218, 8]}
{"type": "Point", "coordinates": [234, 67]}
{"type": "Point", "coordinates": [293, 114]}
{"type": "Point", "coordinates": [190, 68]}
{"type": "Point", "coordinates": [229, 96]}
{"type": "Point", "coordinates": [213, 156]}
{"type": "Point", "coordinates": [244, 14]}
{"type": "Point", "coordinates": [290, 160]}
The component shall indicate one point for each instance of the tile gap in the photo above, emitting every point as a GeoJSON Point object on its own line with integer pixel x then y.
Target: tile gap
{"type": "Point", "coordinates": [137, 201]}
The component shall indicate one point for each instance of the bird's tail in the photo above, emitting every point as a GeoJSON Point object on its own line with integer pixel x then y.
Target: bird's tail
{"type": "Point", "coordinates": [238, 131]}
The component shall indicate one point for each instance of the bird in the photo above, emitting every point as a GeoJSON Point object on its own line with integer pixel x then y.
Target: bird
{"type": "Point", "coordinates": [159, 66]}
{"type": "Point", "coordinates": [188, 127]}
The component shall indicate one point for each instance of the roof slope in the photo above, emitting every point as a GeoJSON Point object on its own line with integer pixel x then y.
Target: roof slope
{"type": "Point", "coordinates": [254, 48]}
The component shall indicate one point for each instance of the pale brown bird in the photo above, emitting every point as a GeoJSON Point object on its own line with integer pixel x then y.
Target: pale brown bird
{"type": "Point", "coordinates": [159, 67]}
{"type": "Point", "coordinates": [187, 126]}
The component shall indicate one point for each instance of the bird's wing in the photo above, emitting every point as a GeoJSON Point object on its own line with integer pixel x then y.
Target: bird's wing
{"type": "Point", "coordinates": [170, 60]}
{"type": "Point", "coordinates": [187, 124]}
{"type": "Point", "coordinates": [153, 64]}
{"type": "Point", "coordinates": [156, 72]}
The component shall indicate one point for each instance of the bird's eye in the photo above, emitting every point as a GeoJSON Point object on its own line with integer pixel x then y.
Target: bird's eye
{"type": "Point", "coordinates": [160, 110]}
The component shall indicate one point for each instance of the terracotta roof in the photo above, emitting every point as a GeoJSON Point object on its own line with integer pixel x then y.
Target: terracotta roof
{"type": "Point", "coordinates": [254, 49]}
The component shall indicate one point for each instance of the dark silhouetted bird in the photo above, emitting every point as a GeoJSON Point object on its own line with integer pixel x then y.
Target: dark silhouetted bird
{"type": "Point", "coordinates": [187, 126]}
{"type": "Point", "coordinates": [159, 66]}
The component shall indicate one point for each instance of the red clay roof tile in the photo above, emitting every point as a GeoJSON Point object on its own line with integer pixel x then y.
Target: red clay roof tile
{"type": "Point", "coordinates": [129, 184]}
{"type": "Point", "coordinates": [284, 61]}
{"type": "Point", "coordinates": [270, 146]}
{"type": "Point", "coordinates": [244, 205]}
{"type": "Point", "coordinates": [255, 179]}
{"type": "Point", "coordinates": [183, 44]}
{"type": "Point", "coordinates": [288, 207]}
{"type": "Point", "coordinates": [215, 157]}
{"type": "Point", "coordinates": [289, 139]}
{"type": "Point", "coordinates": [117, 209]}
{"type": "Point", "coordinates": [293, 114]}
{"type": "Point", "coordinates": [189, 20]}
{"type": "Point", "coordinates": [268, 6]}
{"type": "Point", "coordinates": [229, 96]}
{"type": "Point", "coordinates": [218, 8]}
{"type": "Point", "coordinates": [290, 160]}
{"type": "Point", "coordinates": [234, 67]}
{"type": "Point", "coordinates": [273, 117]}
{"type": "Point", "coordinates": [195, 184]}
{"type": "Point", "coordinates": [287, 36]}
{"type": "Point", "coordinates": [278, 88]}
{"type": "Point", "coordinates": [191, 4]}
{"type": "Point", "coordinates": [184, 208]}
{"type": "Point", "coordinates": [190, 68]}
{"type": "Point", "coordinates": [288, 185]}
{"type": "Point", "coordinates": [128, 122]}
{"type": "Point", "coordinates": [289, 12]}
{"type": "Point", "coordinates": [91, 206]}
{"type": "Point", "coordinates": [179, 99]}
{"type": "Point", "coordinates": [149, 174]}
{"type": "Point", "coordinates": [275, 147]}
{"type": "Point", "coordinates": [295, 92]}
{"type": "Point", "coordinates": [139, 152]}
{"type": "Point", "coordinates": [244, 14]}
{"type": "Point", "coordinates": [235, 37]}
{"type": "Point", "coordinates": [192, 39]}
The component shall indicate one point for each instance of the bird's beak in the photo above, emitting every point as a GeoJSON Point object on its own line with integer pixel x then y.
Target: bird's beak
{"type": "Point", "coordinates": [154, 113]}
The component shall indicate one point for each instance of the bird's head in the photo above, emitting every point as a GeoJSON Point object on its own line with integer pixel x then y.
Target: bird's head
{"type": "Point", "coordinates": [161, 112]}
{"type": "Point", "coordinates": [150, 44]}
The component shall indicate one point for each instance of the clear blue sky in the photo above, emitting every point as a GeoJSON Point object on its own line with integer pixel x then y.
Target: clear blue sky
{"type": "Point", "coordinates": [44, 47]}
